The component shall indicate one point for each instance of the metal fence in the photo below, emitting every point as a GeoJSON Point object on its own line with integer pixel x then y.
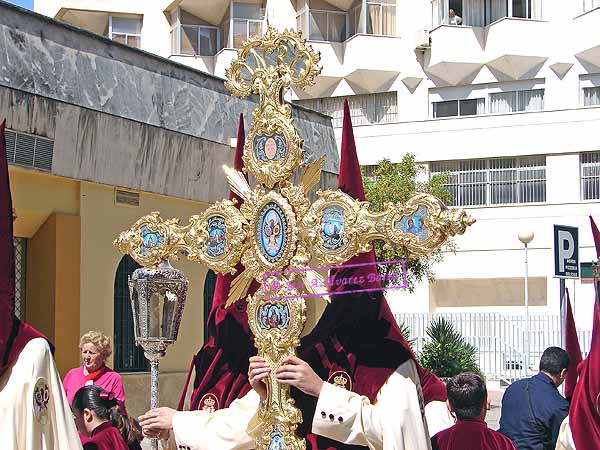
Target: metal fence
{"type": "Point", "coordinates": [499, 339]}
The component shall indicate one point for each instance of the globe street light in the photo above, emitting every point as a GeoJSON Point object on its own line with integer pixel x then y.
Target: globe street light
{"type": "Point", "coordinates": [526, 237]}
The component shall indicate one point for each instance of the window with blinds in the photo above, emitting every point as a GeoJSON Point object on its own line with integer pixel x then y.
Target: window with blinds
{"type": "Point", "coordinates": [515, 101]}
{"type": "Point", "coordinates": [365, 109]}
{"type": "Point", "coordinates": [591, 96]}
{"type": "Point", "coordinates": [590, 175]}
{"type": "Point", "coordinates": [499, 181]}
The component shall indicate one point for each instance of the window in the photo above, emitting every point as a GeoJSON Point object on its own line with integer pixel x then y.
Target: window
{"type": "Point", "coordinates": [590, 175]}
{"type": "Point", "coordinates": [247, 21]}
{"type": "Point", "coordinates": [322, 25]}
{"type": "Point", "coordinates": [20, 275]}
{"type": "Point", "coordinates": [128, 356]}
{"type": "Point", "coordinates": [198, 40]}
{"type": "Point", "coordinates": [354, 19]}
{"type": "Point", "coordinates": [480, 182]}
{"type": "Point", "coordinates": [381, 17]}
{"type": "Point", "coordinates": [366, 109]}
{"type": "Point", "coordinates": [526, 9]}
{"type": "Point", "coordinates": [588, 5]}
{"type": "Point", "coordinates": [591, 96]}
{"type": "Point", "coordinates": [514, 101]}
{"type": "Point", "coordinates": [125, 30]}
{"type": "Point", "coordinates": [210, 282]}
{"type": "Point", "coordinates": [451, 108]}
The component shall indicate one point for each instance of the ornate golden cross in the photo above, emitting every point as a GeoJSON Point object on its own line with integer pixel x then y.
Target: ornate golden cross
{"type": "Point", "coordinates": [276, 227]}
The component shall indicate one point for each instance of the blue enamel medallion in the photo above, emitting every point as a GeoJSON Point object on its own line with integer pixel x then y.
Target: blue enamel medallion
{"type": "Point", "coordinates": [332, 227]}
{"type": "Point", "coordinates": [277, 442]}
{"type": "Point", "coordinates": [273, 315]}
{"type": "Point", "coordinates": [271, 232]}
{"type": "Point", "coordinates": [270, 148]}
{"type": "Point", "coordinates": [414, 224]}
{"type": "Point", "coordinates": [150, 239]}
{"type": "Point", "coordinates": [215, 246]}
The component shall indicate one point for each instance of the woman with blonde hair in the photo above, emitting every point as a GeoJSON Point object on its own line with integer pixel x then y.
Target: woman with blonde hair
{"type": "Point", "coordinates": [95, 350]}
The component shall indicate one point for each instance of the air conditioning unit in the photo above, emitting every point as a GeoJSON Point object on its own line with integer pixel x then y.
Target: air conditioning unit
{"type": "Point", "coordinates": [422, 39]}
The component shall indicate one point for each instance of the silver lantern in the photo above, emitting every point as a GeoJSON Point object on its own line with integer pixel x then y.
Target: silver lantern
{"type": "Point", "coordinates": [158, 296]}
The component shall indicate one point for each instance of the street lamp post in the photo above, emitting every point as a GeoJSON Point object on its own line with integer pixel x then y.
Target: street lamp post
{"type": "Point", "coordinates": [526, 237]}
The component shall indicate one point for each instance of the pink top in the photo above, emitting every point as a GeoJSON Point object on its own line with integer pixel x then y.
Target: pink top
{"type": "Point", "coordinates": [110, 381]}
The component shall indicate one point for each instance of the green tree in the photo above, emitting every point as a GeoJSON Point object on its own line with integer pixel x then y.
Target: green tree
{"type": "Point", "coordinates": [447, 353]}
{"type": "Point", "coordinates": [397, 182]}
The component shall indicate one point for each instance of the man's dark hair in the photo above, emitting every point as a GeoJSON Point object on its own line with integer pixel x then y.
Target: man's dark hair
{"type": "Point", "coordinates": [466, 394]}
{"type": "Point", "coordinates": [554, 360]}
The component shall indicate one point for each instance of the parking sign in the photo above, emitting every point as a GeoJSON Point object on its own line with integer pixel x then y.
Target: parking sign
{"type": "Point", "coordinates": [566, 251]}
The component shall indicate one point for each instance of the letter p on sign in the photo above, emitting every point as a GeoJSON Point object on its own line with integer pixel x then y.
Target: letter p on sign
{"type": "Point", "coordinates": [566, 252]}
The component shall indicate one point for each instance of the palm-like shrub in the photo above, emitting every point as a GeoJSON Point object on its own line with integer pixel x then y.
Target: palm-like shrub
{"type": "Point", "coordinates": [405, 330]}
{"type": "Point", "coordinates": [446, 352]}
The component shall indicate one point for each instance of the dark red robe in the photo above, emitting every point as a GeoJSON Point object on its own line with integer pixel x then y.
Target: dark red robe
{"type": "Point", "coordinates": [470, 434]}
{"type": "Point", "coordinates": [106, 437]}
{"type": "Point", "coordinates": [584, 413]}
{"type": "Point", "coordinates": [573, 349]}
{"type": "Point", "coordinates": [14, 334]}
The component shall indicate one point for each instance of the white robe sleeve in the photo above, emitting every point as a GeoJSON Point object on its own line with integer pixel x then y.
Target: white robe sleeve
{"type": "Point", "coordinates": [438, 417]}
{"type": "Point", "coordinates": [224, 429]}
{"type": "Point", "coordinates": [395, 421]}
{"type": "Point", "coordinates": [565, 438]}
{"type": "Point", "coordinates": [34, 411]}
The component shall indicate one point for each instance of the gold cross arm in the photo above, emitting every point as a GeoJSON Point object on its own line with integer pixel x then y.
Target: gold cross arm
{"type": "Point", "coordinates": [274, 231]}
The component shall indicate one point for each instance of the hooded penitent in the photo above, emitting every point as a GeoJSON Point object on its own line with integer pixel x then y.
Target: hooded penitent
{"type": "Point", "coordinates": [584, 414]}
{"type": "Point", "coordinates": [14, 334]}
{"type": "Point", "coordinates": [356, 341]}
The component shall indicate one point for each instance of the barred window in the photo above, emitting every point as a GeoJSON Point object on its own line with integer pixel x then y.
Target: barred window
{"type": "Point", "coordinates": [128, 356]}
{"type": "Point", "coordinates": [20, 275]}
{"type": "Point", "coordinates": [480, 182]}
{"type": "Point", "coordinates": [365, 109]}
{"type": "Point", "coordinates": [590, 175]}
{"type": "Point", "coordinates": [591, 96]}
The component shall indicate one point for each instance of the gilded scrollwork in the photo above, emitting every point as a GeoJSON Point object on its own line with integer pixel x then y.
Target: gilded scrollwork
{"type": "Point", "coordinates": [269, 66]}
{"type": "Point", "coordinates": [151, 240]}
{"type": "Point", "coordinates": [277, 320]}
{"type": "Point", "coordinates": [216, 237]}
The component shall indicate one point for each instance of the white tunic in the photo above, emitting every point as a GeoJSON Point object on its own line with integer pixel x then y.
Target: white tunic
{"type": "Point", "coordinates": [565, 438]}
{"type": "Point", "coordinates": [438, 417]}
{"type": "Point", "coordinates": [34, 411]}
{"type": "Point", "coordinates": [395, 421]}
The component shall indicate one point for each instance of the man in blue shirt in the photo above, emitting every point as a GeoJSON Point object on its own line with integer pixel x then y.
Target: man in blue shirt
{"type": "Point", "coordinates": [532, 408]}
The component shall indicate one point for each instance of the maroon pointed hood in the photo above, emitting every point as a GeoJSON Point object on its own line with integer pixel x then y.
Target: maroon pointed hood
{"type": "Point", "coordinates": [584, 414]}
{"type": "Point", "coordinates": [14, 334]}
{"type": "Point", "coordinates": [573, 349]}
{"type": "Point", "coordinates": [221, 365]}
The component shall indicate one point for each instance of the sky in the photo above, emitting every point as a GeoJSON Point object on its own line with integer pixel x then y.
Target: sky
{"type": "Point", "coordinates": [24, 3]}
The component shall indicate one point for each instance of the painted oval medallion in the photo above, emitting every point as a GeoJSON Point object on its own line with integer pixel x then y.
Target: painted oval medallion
{"type": "Point", "coordinates": [271, 232]}
{"type": "Point", "coordinates": [215, 246]}
{"type": "Point", "coordinates": [332, 227]}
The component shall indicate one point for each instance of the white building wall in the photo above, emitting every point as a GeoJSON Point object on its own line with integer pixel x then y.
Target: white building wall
{"type": "Point", "coordinates": [560, 54]}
